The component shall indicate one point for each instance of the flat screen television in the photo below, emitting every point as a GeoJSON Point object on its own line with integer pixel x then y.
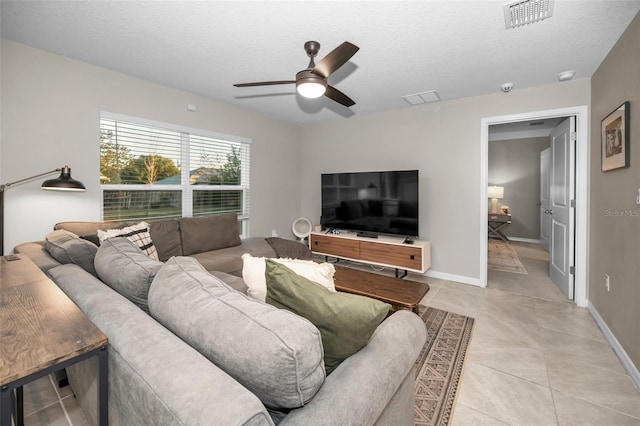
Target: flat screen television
{"type": "Point", "coordinates": [371, 203]}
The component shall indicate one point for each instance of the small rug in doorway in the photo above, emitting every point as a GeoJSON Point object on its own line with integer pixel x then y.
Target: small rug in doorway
{"type": "Point", "coordinates": [502, 257]}
{"type": "Point", "coordinates": [439, 365]}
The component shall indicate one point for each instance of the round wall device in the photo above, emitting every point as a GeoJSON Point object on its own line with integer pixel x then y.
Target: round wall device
{"type": "Point", "coordinates": [301, 227]}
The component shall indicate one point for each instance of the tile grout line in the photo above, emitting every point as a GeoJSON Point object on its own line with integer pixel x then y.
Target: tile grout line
{"type": "Point", "coordinates": [64, 409]}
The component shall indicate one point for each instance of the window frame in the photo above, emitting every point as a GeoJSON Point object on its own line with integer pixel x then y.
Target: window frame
{"type": "Point", "coordinates": [187, 190]}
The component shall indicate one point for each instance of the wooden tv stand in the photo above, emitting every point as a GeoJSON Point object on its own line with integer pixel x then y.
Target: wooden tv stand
{"type": "Point", "coordinates": [384, 250]}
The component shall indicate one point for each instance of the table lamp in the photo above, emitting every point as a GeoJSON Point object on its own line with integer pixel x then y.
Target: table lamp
{"type": "Point", "coordinates": [495, 192]}
{"type": "Point", "coordinates": [62, 183]}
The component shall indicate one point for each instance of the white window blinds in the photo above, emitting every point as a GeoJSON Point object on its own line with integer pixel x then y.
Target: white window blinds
{"type": "Point", "coordinates": [156, 170]}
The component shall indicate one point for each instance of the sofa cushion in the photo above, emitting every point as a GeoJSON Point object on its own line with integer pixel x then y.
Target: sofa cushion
{"type": "Point", "coordinates": [253, 273]}
{"type": "Point", "coordinates": [165, 235]}
{"type": "Point", "coordinates": [201, 234]}
{"type": "Point", "coordinates": [275, 354]}
{"type": "Point", "coordinates": [87, 228]}
{"type": "Point", "coordinates": [232, 281]}
{"type": "Point", "coordinates": [346, 321]}
{"type": "Point", "coordinates": [122, 266]}
{"type": "Point", "coordinates": [67, 247]}
{"type": "Point", "coordinates": [137, 234]}
{"type": "Point", "coordinates": [229, 259]}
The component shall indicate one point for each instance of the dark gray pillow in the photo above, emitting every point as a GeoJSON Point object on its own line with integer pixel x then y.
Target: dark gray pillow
{"type": "Point", "coordinates": [289, 248]}
{"type": "Point", "coordinates": [274, 353]}
{"type": "Point", "coordinates": [165, 235]}
{"type": "Point", "coordinates": [200, 234]}
{"type": "Point", "coordinates": [125, 268]}
{"type": "Point", "coordinates": [67, 247]}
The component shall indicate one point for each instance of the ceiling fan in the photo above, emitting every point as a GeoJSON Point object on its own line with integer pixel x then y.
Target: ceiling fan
{"type": "Point", "coordinates": [312, 81]}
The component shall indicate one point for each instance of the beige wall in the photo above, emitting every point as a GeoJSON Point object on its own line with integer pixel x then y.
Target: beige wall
{"type": "Point", "coordinates": [50, 108]}
{"type": "Point", "coordinates": [614, 215]}
{"type": "Point", "coordinates": [442, 140]}
{"type": "Point", "coordinates": [515, 165]}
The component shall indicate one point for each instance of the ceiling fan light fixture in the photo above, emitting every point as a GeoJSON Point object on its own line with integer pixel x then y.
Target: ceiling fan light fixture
{"type": "Point", "coordinates": [311, 88]}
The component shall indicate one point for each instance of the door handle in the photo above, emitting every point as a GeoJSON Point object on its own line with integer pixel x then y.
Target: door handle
{"type": "Point", "coordinates": [546, 212]}
{"type": "Point", "coordinates": [550, 211]}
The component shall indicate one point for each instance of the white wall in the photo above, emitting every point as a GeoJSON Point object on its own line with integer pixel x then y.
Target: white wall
{"type": "Point", "coordinates": [50, 108]}
{"type": "Point", "coordinates": [442, 140]}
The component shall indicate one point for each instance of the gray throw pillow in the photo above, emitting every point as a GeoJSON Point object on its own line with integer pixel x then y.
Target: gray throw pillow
{"type": "Point", "coordinates": [67, 247]}
{"type": "Point", "coordinates": [274, 353]}
{"type": "Point", "coordinates": [125, 268]}
{"type": "Point", "coordinates": [289, 248]}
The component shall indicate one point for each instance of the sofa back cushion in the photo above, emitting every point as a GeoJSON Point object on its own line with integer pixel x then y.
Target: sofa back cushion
{"type": "Point", "coordinates": [165, 235]}
{"type": "Point", "coordinates": [67, 247]}
{"type": "Point", "coordinates": [125, 268]}
{"type": "Point", "coordinates": [200, 234]}
{"type": "Point", "coordinates": [88, 229]}
{"type": "Point", "coordinates": [275, 354]}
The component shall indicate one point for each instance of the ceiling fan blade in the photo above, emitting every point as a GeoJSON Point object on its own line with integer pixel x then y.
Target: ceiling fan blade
{"type": "Point", "coordinates": [338, 96]}
{"type": "Point", "coordinates": [265, 83]}
{"type": "Point", "coordinates": [335, 59]}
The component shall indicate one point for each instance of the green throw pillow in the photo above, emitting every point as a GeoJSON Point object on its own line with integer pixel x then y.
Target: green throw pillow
{"type": "Point", "coordinates": [346, 321]}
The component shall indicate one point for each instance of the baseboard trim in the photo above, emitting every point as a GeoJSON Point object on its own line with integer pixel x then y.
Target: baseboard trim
{"type": "Point", "coordinates": [524, 240]}
{"type": "Point", "coordinates": [628, 365]}
{"type": "Point", "coordinates": [452, 277]}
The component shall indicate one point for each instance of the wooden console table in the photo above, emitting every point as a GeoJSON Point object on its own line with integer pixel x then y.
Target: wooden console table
{"type": "Point", "coordinates": [41, 332]}
{"type": "Point", "coordinates": [384, 250]}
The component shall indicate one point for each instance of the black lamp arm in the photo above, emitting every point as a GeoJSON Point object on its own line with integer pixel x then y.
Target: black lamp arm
{"type": "Point", "coordinates": [4, 187]}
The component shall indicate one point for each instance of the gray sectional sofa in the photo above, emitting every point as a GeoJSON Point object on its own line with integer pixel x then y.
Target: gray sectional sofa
{"type": "Point", "coordinates": [189, 356]}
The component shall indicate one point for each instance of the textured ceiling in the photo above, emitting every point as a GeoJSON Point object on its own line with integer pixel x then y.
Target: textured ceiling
{"type": "Point", "coordinates": [459, 48]}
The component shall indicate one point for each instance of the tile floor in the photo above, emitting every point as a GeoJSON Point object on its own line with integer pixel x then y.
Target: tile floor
{"type": "Point", "coordinates": [534, 358]}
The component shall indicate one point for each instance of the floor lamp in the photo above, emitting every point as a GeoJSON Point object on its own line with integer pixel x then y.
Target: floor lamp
{"type": "Point", "coordinates": [62, 183]}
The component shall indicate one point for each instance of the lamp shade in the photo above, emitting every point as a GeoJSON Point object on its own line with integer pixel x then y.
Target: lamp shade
{"type": "Point", "coordinates": [64, 182]}
{"type": "Point", "coordinates": [495, 192]}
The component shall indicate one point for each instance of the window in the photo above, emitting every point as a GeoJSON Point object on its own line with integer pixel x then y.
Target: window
{"type": "Point", "coordinates": [151, 170]}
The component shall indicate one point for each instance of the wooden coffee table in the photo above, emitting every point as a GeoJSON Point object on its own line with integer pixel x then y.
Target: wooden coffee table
{"type": "Point", "coordinates": [399, 293]}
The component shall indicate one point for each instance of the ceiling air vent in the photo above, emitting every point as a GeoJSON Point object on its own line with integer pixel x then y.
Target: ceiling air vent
{"type": "Point", "coordinates": [422, 97]}
{"type": "Point", "coordinates": [522, 12]}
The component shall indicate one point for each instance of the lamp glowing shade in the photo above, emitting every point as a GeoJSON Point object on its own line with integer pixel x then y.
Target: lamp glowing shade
{"type": "Point", "coordinates": [312, 89]}
{"type": "Point", "coordinates": [495, 192]}
{"type": "Point", "coordinates": [64, 182]}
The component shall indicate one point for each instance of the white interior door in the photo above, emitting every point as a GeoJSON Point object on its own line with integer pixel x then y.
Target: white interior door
{"type": "Point", "coordinates": [545, 201]}
{"type": "Point", "coordinates": [561, 212]}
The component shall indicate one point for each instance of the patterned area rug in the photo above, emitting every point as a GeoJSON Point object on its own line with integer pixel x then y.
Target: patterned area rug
{"type": "Point", "coordinates": [502, 257]}
{"type": "Point", "coordinates": [439, 366]}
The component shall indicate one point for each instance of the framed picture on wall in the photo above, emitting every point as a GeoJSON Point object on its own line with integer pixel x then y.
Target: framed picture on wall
{"type": "Point", "coordinates": [615, 139]}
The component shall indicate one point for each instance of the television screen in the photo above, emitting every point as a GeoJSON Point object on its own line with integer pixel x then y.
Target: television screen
{"type": "Point", "coordinates": [371, 202]}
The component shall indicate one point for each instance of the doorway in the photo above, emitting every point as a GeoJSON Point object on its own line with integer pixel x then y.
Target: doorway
{"type": "Point", "coordinates": [581, 202]}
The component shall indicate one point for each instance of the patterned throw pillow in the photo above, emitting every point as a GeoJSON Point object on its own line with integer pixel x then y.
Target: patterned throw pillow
{"type": "Point", "coordinates": [137, 234]}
